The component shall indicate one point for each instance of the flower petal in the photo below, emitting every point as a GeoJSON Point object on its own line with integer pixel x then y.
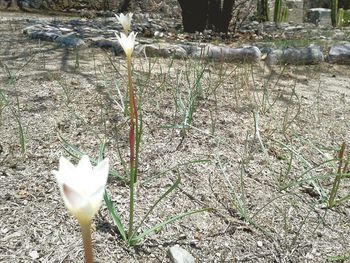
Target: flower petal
{"type": "Point", "coordinates": [82, 187]}
{"type": "Point", "coordinates": [127, 42]}
{"type": "Point", "coordinates": [65, 165]}
{"type": "Point", "coordinates": [101, 171]}
{"type": "Point", "coordinates": [72, 197]}
{"type": "Point", "coordinates": [125, 21]}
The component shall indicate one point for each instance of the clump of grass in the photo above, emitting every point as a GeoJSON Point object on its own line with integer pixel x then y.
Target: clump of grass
{"type": "Point", "coordinates": [14, 106]}
{"type": "Point", "coordinates": [186, 101]}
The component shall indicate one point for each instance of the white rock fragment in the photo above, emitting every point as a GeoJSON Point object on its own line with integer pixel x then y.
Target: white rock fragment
{"type": "Point", "coordinates": [34, 254]}
{"type": "Point", "coordinates": [179, 255]}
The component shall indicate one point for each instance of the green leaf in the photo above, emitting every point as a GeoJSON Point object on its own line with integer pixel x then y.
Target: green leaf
{"type": "Point", "coordinates": [102, 150]}
{"type": "Point", "coordinates": [75, 152]}
{"type": "Point", "coordinates": [174, 186]}
{"type": "Point", "coordinates": [338, 258]}
{"type": "Point", "coordinates": [22, 138]}
{"type": "Point", "coordinates": [176, 126]}
{"type": "Point", "coordinates": [157, 227]}
{"type": "Point", "coordinates": [160, 174]}
{"type": "Point", "coordinates": [115, 216]}
{"type": "Point", "coordinates": [342, 200]}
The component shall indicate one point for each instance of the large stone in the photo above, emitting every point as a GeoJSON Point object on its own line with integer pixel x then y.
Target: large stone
{"type": "Point", "coordinates": [165, 50]}
{"type": "Point", "coordinates": [319, 16]}
{"type": "Point", "coordinates": [179, 255]}
{"type": "Point", "coordinates": [295, 56]}
{"type": "Point", "coordinates": [42, 32]}
{"type": "Point", "coordinates": [249, 54]}
{"type": "Point", "coordinates": [339, 54]}
{"type": "Point", "coordinates": [69, 41]}
{"type": "Point", "coordinates": [104, 43]}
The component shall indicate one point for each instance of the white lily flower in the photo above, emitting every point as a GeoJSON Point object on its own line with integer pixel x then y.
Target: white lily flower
{"type": "Point", "coordinates": [127, 42]}
{"type": "Point", "coordinates": [125, 21]}
{"type": "Point", "coordinates": [82, 187]}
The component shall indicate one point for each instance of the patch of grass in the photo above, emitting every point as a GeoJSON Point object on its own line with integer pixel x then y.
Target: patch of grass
{"type": "Point", "coordinates": [187, 92]}
{"type": "Point", "coordinates": [13, 105]}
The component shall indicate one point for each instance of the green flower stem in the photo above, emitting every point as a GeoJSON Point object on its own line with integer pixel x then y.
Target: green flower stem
{"type": "Point", "coordinates": [86, 233]}
{"type": "Point", "coordinates": [132, 136]}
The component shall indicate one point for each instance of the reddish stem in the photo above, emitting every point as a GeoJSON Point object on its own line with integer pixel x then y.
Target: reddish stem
{"type": "Point", "coordinates": [133, 121]}
{"type": "Point", "coordinates": [86, 233]}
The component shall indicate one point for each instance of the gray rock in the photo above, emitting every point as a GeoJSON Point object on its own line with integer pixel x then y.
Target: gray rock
{"type": "Point", "coordinates": [105, 43]}
{"type": "Point", "coordinates": [36, 4]}
{"type": "Point", "coordinates": [339, 54]}
{"type": "Point", "coordinates": [295, 56]}
{"type": "Point", "coordinates": [245, 54]}
{"type": "Point", "coordinates": [165, 50]}
{"type": "Point", "coordinates": [319, 16]}
{"type": "Point", "coordinates": [180, 255]}
{"type": "Point", "coordinates": [69, 41]}
{"type": "Point", "coordinates": [265, 50]}
{"type": "Point", "coordinates": [190, 49]}
{"type": "Point", "coordinates": [39, 32]}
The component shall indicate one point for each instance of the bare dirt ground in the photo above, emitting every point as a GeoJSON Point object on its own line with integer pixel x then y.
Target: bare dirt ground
{"type": "Point", "coordinates": [266, 180]}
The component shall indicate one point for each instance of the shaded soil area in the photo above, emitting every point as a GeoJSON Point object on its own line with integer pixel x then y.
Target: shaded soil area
{"type": "Point", "coordinates": [259, 150]}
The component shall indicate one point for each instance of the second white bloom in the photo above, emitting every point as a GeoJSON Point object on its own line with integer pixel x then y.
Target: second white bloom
{"type": "Point", "coordinates": [125, 21]}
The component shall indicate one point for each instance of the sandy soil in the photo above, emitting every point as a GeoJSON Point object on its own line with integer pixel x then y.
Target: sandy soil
{"type": "Point", "coordinates": [267, 189]}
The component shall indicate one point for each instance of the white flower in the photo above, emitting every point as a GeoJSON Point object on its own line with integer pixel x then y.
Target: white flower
{"type": "Point", "coordinates": [125, 21]}
{"type": "Point", "coordinates": [127, 42]}
{"type": "Point", "coordinates": [82, 187]}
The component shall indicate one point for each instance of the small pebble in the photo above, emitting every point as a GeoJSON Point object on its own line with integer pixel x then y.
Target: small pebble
{"type": "Point", "coordinates": [34, 254]}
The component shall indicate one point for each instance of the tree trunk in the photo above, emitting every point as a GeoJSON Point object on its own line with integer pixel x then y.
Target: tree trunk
{"type": "Point", "coordinates": [194, 15]}
{"type": "Point", "coordinates": [220, 16]}
{"type": "Point", "coordinates": [124, 6]}
{"type": "Point", "coordinates": [226, 15]}
{"type": "Point", "coordinates": [214, 14]}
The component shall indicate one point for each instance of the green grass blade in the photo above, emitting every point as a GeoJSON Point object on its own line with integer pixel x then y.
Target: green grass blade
{"type": "Point", "coordinates": [342, 200]}
{"type": "Point", "coordinates": [300, 180]}
{"type": "Point", "coordinates": [115, 216]}
{"type": "Point", "coordinates": [22, 138]}
{"type": "Point", "coordinates": [161, 174]}
{"type": "Point", "coordinates": [307, 166]}
{"type": "Point", "coordinates": [338, 258]}
{"type": "Point", "coordinates": [172, 188]}
{"type": "Point", "coordinates": [101, 151]}
{"type": "Point", "coordinates": [170, 220]}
